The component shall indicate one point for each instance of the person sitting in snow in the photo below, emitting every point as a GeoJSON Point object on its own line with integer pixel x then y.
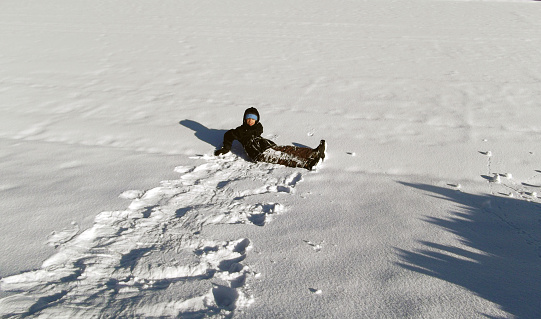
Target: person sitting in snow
{"type": "Point", "coordinates": [261, 149]}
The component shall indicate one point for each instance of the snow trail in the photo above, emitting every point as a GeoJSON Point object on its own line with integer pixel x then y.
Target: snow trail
{"type": "Point", "coordinates": [153, 259]}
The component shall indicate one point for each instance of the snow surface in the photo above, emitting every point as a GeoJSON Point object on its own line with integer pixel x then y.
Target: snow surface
{"type": "Point", "coordinates": [427, 205]}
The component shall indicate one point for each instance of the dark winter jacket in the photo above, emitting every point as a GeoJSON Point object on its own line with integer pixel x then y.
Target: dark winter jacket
{"type": "Point", "coordinates": [248, 136]}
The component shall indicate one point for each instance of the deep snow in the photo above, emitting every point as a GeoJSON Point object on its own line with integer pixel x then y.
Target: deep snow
{"type": "Point", "coordinates": [426, 207]}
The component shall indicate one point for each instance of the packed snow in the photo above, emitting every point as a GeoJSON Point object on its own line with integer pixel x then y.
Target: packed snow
{"type": "Point", "coordinates": [427, 204]}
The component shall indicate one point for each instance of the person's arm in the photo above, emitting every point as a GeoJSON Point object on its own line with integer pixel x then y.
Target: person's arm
{"type": "Point", "coordinates": [229, 137]}
{"type": "Point", "coordinates": [239, 134]}
{"type": "Point", "coordinates": [258, 129]}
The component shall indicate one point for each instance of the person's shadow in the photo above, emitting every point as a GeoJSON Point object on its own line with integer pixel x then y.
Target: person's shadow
{"type": "Point", "coordinates": [213, 137]}
{"type": "Point", "coordinates": [205, 134]}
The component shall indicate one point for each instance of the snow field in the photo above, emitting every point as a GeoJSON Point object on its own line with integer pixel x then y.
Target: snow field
{"type": "Point", "coordinates": [427, 205]}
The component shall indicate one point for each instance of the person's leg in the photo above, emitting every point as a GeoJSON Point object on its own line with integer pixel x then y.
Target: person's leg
{"type": "Point", "coordinates": [292, 156]}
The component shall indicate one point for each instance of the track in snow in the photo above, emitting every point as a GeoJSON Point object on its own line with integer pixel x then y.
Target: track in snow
{"type": "Point", "coordinates": [152, 258]}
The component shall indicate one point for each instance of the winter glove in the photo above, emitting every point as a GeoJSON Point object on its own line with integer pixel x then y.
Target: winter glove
{"type": "Point", "coordinates": [221, 151]}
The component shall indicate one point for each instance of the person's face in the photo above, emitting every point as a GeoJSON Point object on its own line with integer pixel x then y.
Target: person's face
{"type": "Point", "coordinates": [250, 122]}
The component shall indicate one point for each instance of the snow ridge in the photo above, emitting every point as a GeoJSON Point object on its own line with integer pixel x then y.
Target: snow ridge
{"type": "Point", "coordinates": [153, 259]}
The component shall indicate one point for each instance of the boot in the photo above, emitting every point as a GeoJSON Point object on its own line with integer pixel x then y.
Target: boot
{"type": "Point", "coordinates": [321, 149]}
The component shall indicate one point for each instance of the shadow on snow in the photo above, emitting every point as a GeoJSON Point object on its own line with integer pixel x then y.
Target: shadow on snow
{"type": "Point", "coordinates": [504, 264]}
{"type": "Point", "coordinates": [213, 137]}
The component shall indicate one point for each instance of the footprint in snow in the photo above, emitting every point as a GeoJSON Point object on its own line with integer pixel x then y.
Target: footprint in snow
{"type": "Point", "coordinates": [315, 291]}
{"type": "Point", "coordinates": [293, 179]}
{"type": "Point", "coordinates": [530, 185]}
{"type": "Point", "coordinates": [530, 194]}
{"type": "Point", "coordinates": [457, 186]}
{"type": "Point", "coordinates": [315, 247]}
{"type": "Point", "coordinates": [497, 177]}
{"type": "Point", "coordinates": [493, 179]}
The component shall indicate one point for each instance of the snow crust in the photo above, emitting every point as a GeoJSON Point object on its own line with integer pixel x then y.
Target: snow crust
{"type": "Point", "coordinates": [426, 206]}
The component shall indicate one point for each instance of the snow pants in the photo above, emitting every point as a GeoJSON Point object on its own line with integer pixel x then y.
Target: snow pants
{"type": "Point", "coordinates": [292, 156]}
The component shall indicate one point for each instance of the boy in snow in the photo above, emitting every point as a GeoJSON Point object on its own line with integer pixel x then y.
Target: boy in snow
{"type": "Point", "coordinates": [263, 150]}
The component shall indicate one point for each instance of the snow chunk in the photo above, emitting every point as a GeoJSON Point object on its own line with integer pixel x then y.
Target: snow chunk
{"type": "Point", "coordinates": [131, 194]}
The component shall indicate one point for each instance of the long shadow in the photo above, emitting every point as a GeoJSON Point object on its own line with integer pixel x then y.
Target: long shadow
{"type": "Point", "coordinates": [504, 263]}
{"type": "Point", "coordinates": [211, 136]}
